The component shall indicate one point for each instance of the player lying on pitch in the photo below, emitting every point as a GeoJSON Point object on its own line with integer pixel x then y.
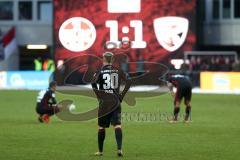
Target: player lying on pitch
{"type": "Point", "coordinates": [109, 80]}
{"type": "Point", "coordinates": [184, 90]}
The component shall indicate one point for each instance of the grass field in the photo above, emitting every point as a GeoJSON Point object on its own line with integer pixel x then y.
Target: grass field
{"type": "Point", "coordinates": [214, 133]}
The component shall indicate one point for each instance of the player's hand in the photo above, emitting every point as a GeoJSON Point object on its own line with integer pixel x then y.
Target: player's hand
{"type": "Point", "coordinates": [173, 94]}
{"type": "Point", "coordinates": [169, 85]}
{"type": "Point", "coordinates": [54, 105]}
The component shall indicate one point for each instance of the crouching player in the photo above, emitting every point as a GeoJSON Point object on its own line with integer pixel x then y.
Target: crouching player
{"type": "Point", "coordinates": [184, 90]}
{"type": "Point", "coordinates": [46, 103]}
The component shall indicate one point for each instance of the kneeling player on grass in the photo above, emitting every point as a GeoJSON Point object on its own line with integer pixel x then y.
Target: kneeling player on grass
{"type": "Point", "coordinates": [109, 80]}
{"type": "Point", "coordinates": [46, 103]}
{"type": "Point", "coordinates": [184, 90]}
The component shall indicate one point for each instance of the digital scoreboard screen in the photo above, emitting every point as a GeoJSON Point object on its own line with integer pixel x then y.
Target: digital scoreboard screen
{"type": "Point", "coordinates": [157, 29]}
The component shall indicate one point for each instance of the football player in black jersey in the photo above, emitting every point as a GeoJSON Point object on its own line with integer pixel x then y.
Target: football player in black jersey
{"type": "Point", "coordinates": [107, 81]}
{"type": "Point", "coordinates": [184, 90]}
{"type": "Point", "coordinates": [46, 103]}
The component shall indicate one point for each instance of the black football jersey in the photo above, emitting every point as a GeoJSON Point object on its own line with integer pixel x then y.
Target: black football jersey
{"type": "Point", "coordinates": [180, 81]}
{"type": "Point", "coordinates": [108, 79]}
{"type": "Point", "coordinates": [46, 97]}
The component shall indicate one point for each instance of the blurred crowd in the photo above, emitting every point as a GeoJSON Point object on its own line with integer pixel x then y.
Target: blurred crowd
{"type": "Point", "coordinates": [195, 64]}
{"type": "Point", "coordinates": [212, 63]}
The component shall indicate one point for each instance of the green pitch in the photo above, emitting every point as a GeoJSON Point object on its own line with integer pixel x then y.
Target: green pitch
{"type": "Point", "coordinates": [214, 133]}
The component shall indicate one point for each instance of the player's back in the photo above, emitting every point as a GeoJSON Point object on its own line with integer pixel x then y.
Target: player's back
{"type": "Point", "coordinates": [109, 79]}
{"type": "Point", "coordinates": [45, 97]}
{"type": "Point", "coordinates": [180, 81]}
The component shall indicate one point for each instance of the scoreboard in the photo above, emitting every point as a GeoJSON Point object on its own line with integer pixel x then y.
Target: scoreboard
{"type": "Point", "coordinates": [157, 29]}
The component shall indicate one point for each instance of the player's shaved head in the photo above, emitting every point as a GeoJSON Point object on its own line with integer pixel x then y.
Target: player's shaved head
{"type": "Point", "coordinates": [107, 57]}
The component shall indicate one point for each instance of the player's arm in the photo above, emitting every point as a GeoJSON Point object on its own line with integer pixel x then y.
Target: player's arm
{"type": "Point", "coordinates": [53, 99]}
{"type": "Point", "coordinates": [170, 86]}
{"type": "Point", "coordinates": [94, 86]}
{"type": "Point", "coordinates": [94, 83]}
{"type": "Point", "coordinates": [127, 86]}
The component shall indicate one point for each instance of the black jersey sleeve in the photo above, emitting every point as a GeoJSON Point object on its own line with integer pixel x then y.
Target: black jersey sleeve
{"type": "Point", "coordinates": [95, 80]}
{"type": "Point", "coordinates": [174, 80]}
{"type": "Point", "coordinates": [52, 98]}
{"type": "Point", "coordinates": [180, 81]}
{"type": "Point", "coordinates": [128, 83]}
{"type": "Point", "coordinates": [94, 83]}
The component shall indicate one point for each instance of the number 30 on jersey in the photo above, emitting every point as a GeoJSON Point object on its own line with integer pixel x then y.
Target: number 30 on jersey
{"type": "Point", "coordinates": [110, 81]}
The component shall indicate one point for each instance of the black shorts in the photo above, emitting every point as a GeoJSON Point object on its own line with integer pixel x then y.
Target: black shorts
{"type": "Point", "coordinates": [113, 117]}
{"type": "Point", "coordinates": [185, 93]}
{"type": "Point", "coordinates": [49, 109]}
